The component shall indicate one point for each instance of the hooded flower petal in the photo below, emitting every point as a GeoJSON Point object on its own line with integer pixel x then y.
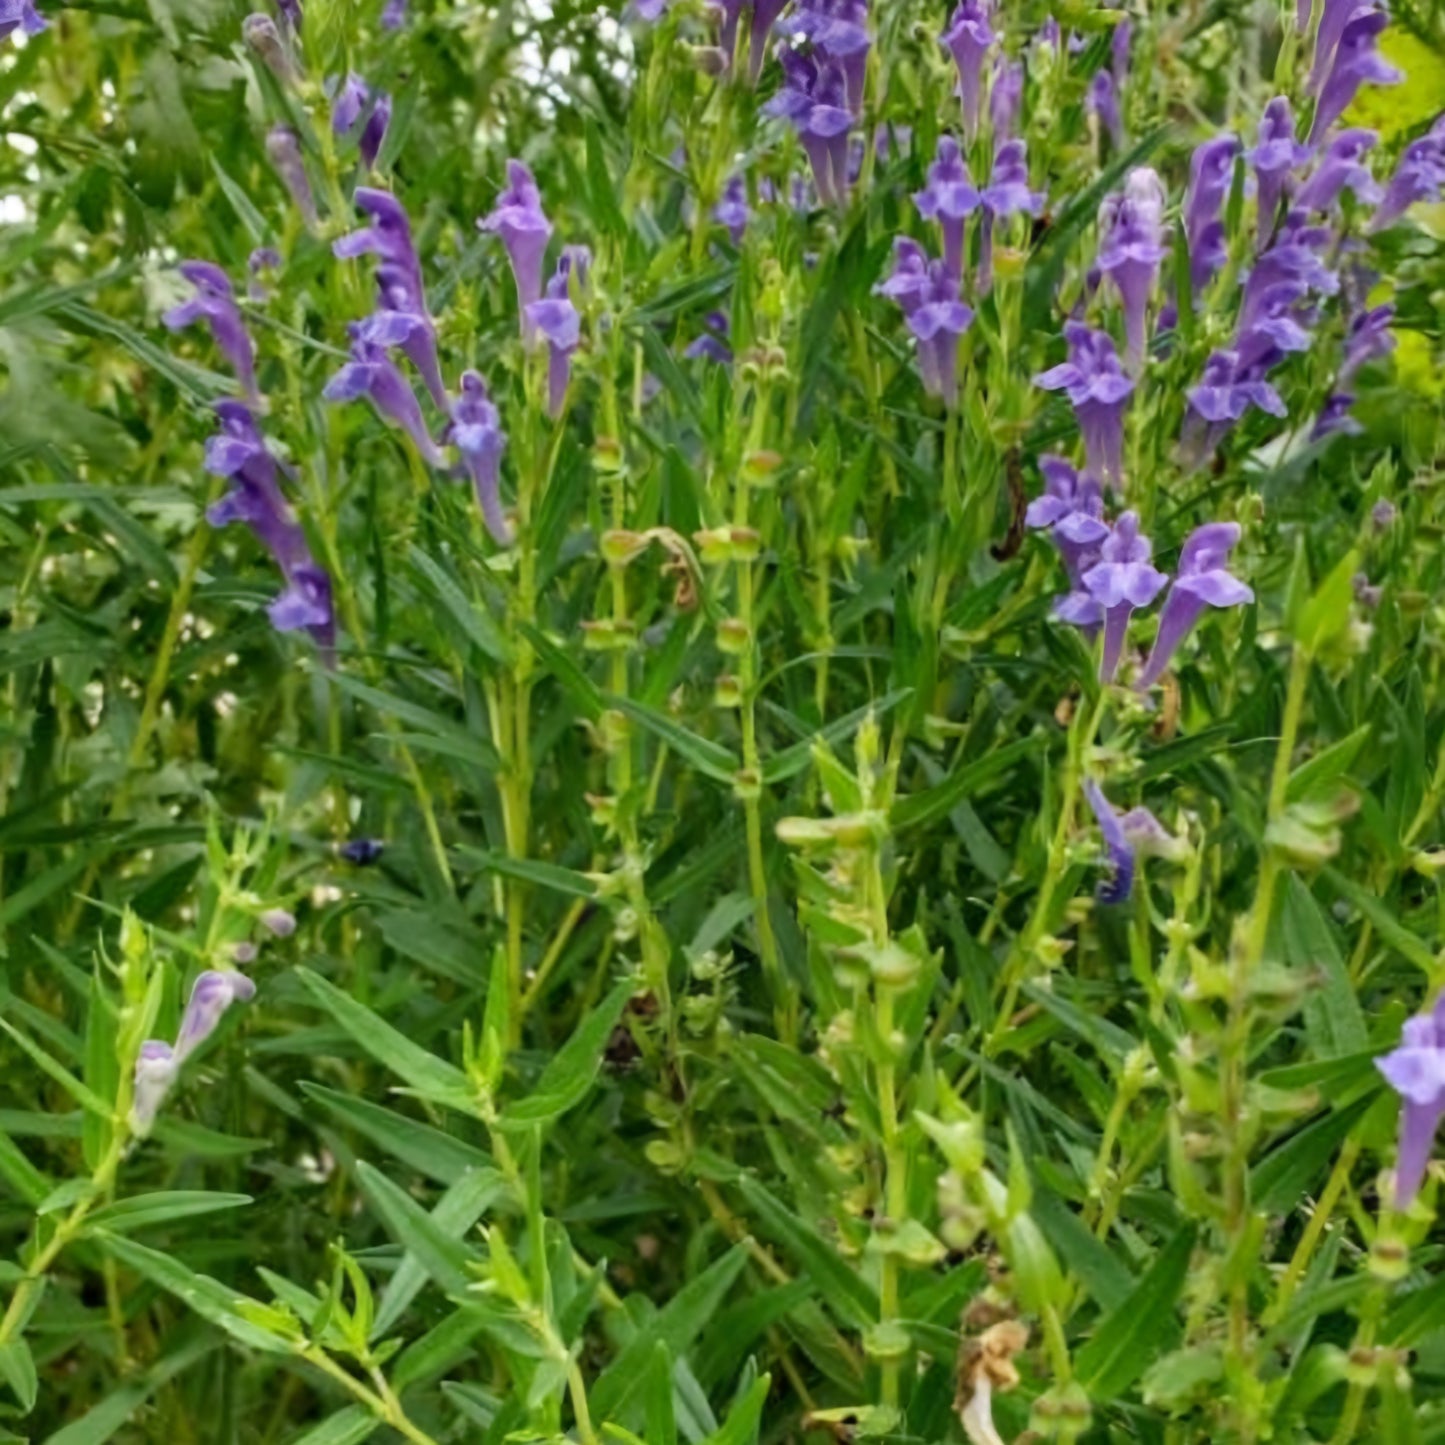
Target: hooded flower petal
{"type": "Point", "coordinates": [1122, 580]}
{"type": "Point", "coordinates": [518, 219]}
{"type": "Point", "coordinates": [211, 995]}
{"type": "Point", "coordinates": [285, 152]}
{"type": "Point", "coordinates": [949, 198]}
{"type": "Point", "coordinates": [214, 303]}
{"type": "Point", "coordinates": [1132, 229]}
{"type": "Point", "coordinates": [1099, 390]}
{"type": "Point", "coordinates": [476, 432]}
{"type": "Point", "coordinates": [1203, 580]}
{"type": "Point", "coordinates": [373, 374]}
{"type": "Point", "coordinates": [155, 1072]}
{"type": "Point", "coordinates": [1120, 882]}
{"type": "Point", "coordinates": [1416, 1071]}
{"type": "Point", "coordinates": [969, 38]}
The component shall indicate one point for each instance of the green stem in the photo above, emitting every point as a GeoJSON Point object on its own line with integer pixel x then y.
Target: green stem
{"type": "Point", "coordinates": [1246, 955]}
{"type": "Point", "coordinates": [388, 1409]}
{"type": "Point", "coordinates": [784, 1002]}
{"type": "Point", "coordinates": [1016, 966]}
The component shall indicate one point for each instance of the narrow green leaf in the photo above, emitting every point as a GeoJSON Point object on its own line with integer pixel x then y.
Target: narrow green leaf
{"type": "Point", "coordinates": [57, 1071]}
{"type": "Point", "coordinates": [1334, 1021]}
{"type": "Point", "coordinates": [427, 1074]}
{"type": "Point", "coordinates": [937, 802]}
{"type": "Point", "coordinates": [24, 1180]}
{"type": "Point", "coordinates": [1390, 929]}
{"type": "Point", "coordinates": [439, 1156]}
{"type": "Point", "coordinates": [741, 1425]}
{"type": "Point", "coordinates": [207, 1297]}
{"type": "Point", "coordinates": [17, 1369]}
{"type": "Point", "coordinates": [570, 1073]}
{"type": "Point", "coordinates": [440, 1253]}
{"type": "Point", "coordinates": [848, 1295]}
{"type": "Point", "coordinates": [1121, 1348]}
{"type": "Point", "coordinates": [349, 1426]}
{"type": "Point", "coordinates": [125, 1215]}
{"type": "Point", "coordinates": [709, 758]}
{"type": "Point", "coordinates": [101, 1421]}
{"type": "Point", "coordinates": [676, 1325]}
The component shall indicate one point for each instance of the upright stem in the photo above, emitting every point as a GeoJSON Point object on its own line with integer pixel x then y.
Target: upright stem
{"type": "Point", "coordinates": [784, 1003]}
{"type": "Point", "coordinates": [1016, 966]}
{"type": "Point", "coordinates": [895, 1164]}
{"type": "Point", "coordinates": [1246, 954]}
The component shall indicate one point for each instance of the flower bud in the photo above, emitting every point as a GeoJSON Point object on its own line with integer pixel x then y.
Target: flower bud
{"type": "Point", "coordinates": [279, 921]}
{"type": "Point", "coordinates": [733, 636]}
{"type": "Point", "coordinates": [155, 1072]}
{"type": "Point", "coordinates": [727, 692]}
{"type": "Point", "coordinates": [211, 995]}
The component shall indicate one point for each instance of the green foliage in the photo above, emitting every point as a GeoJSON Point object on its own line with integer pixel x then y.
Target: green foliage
{"type": "Point", "coordinates": [690, 1005]}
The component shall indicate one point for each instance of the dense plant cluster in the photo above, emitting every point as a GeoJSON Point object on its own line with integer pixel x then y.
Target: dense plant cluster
{"type": "Point", "coordinates": [722, 722]}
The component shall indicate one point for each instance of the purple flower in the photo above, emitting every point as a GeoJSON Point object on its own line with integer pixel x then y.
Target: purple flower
{"type": "Point", "coordinates": [1137, 831]}
{"type": "Point", "coordinates": [949, 198]}
{"type": "Point", "coordinates": [211, 995]}
{"type": "Point", "coordinates": [1101, 100]}
{"type": "Point", "coordinates": [1098, 389]}
{"type": "Point", "coordinates": [215, 304]}
{"type": "Point", "coordinates": [346, 112]}
{"type": "Point", "coordinates": [262, 260]}
{"type": "Point", "coordinates": [732, 209]}
{"type": "Point", "coordinates": [1072, 508]}
{"type": "Point", "coordinates": [1132, 245]}
{"type": "Point", "coordinates": [1211, 172]}
{"type": "Point", "coordinates": [398, 322]}
{"type": "Point", "coordinates": [363, 852]}
{"type": "Point", "coordinates": [279, 921]}
{"type": "Point", "coordinates": [1420, 176]}
{"type": "Point", "coordinates": [1203, 580]}
{"type": "Point", "coordinates": [1369, 336]}
{"type": "Point", "coordinates": [518, 219]}
{"type": "Point", "coordinates": [1120, 43]}
{"type": "Point", "coordinates": [254, 497]}
{"type": "Point", "coordinates": [1416, 1071]}
{"type": "Point", "coordinates": [1355, 62]}
{"type": "Point", "coordinates": [155, 1072]}
{"type": "Point", "coordinates": [1334, 418]}
{"type": "Point", "coordinates": [712, 345]}
{"type": "Point", "coordinates": [1384, 514]}
{"type": "Point", "coordinates": [814, 99]}
{"type": "Point", "coordinates": [260, 33]}
{"type": "Point", "coordinates": [1274, 156]}
{"type": "Point", "coordinates": [1007, 192]}
{"type": "Point", "coordinates": [348, 104]}
{"type": "Point", "coordinates": [285, 152]}
{"type": "Point", "coordinates": [1228, 390]}
{"type": "Point", "coordinates": [1334, 16]}
{"type": "Point", "coordinates": [290, 12]}
{"type": "Point", "coordinates": [1340, 169]}
{"type": "Point", "coordinates": [837, 31]}
{"type": "Point", "coordinates": [968, 39]}
{"type": "Point", "coordinates": [1121, 580]}
{"type": "Point", "coordinates": [938, 320]}
{"type": "Point", "coordinates": [649, 10]}
{"type": "Point", "coordinates": [20, 15]}
{"type": "Point", "coordinates": [907, 283]}
{"type": "Point", "coordinates": [476, 432]}
{"type": "Point", "coordinates": [372, 373]}
{"type": "Point", "coordinates": [1005, 98]}
{"type": "Point", "coordinates": [556, 319]}
{"type": "Point", "coordinates": [393, 14]}
{"type": "Point", "coordinates": [388, 238]}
